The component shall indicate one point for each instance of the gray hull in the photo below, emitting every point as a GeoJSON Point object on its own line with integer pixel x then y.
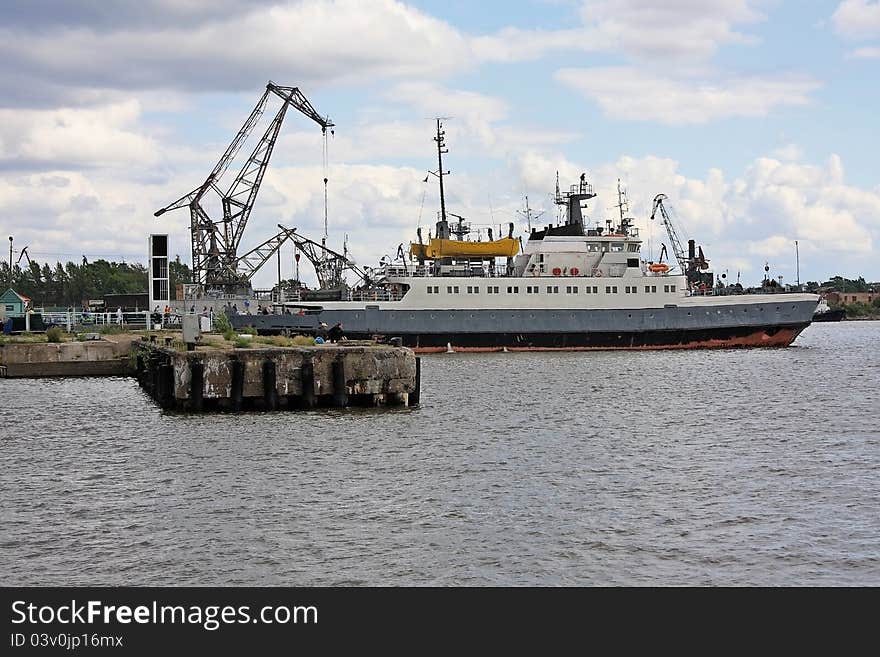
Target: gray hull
{"type": "Point", "coordinates": [776, 322]}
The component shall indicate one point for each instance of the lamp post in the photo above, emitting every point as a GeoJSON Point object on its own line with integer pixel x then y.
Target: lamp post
{"type": "Point", "coordinates": [797, 259]}
{"type": "Point", "coordinates": [10, 261]}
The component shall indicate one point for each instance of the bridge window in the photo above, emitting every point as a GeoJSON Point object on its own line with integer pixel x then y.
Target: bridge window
{"type": "Point", "coordinates": [616, 247]}
{"type": "Point", "coordinates": [571, 289]}
{"type": "Point", "coordinates": [513, 289]}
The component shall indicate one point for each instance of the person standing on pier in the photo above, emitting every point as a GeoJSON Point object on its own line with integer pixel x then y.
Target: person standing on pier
{"type": "Point", "coordinates": [119, 315]}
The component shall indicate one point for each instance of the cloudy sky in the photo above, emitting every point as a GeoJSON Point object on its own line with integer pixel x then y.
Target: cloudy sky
{"type": "Point", "coordinates": [757, 118]}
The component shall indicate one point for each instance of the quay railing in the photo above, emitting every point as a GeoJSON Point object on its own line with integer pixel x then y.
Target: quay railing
{"type": "Point", "coordinates": [83, 321]}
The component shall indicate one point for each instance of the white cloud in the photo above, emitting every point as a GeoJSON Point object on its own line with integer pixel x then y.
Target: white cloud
{"type": "Point", "coordinates": [743, 220]}
{"type": "Point", "coordinates": [644, 29]}
{"type": "Point", "coordinates": [82, 137]}
{"type": "Point", "coordinates": [629, 93]}
{"type": "Point", "coordinates": [868, 52]}
{"type": "Point", "coordinates": [857, 18]}
{"type": "Point", "coordinates": [678, 29]}
{"type": "Point", "coordinates": [311, 42]}
{"type": "Point", "coordinates": [789, 152]}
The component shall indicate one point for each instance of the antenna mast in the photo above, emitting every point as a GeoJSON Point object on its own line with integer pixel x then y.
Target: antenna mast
{"type": "Point", "coordinates": [440, 150]}
{"type": "Point", "coordinates": [527, 213]}
{"type": "Point", "coordinates": [622, 203]}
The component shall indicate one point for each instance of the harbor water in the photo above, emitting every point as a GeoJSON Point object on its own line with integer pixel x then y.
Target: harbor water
{"type": "Point", "coordinates": [730, 467]}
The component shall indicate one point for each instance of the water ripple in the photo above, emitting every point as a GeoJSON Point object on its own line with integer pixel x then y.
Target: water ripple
{"type": "Point", "coordinates": [732, 468]}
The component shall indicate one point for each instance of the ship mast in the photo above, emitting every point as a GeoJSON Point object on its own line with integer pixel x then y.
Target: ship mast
{"type": "Point", "coordinates": [440, 151]}
{"type": "Point", "coordinates": [622, 203]}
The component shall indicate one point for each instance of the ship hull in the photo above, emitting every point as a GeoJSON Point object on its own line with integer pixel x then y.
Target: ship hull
{"type": "Point", "coordinates": [770, 323]}
{"type": "Point", "coordinates": [721, 338]}
{"type": "Point", "coordinates": [835, 315]}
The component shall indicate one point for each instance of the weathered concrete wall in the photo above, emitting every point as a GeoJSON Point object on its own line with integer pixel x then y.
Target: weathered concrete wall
{"type": "Point", "coordinates": [368, 370]}
{"type": "Point", "coordinates": [93, 358]}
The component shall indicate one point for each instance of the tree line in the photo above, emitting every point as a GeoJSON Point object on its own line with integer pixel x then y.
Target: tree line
{"type": "Point", "coordinates": [70, 284]}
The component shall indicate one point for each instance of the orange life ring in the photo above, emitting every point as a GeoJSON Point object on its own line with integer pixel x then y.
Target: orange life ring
{"type": "Point", "coordinates": [574, 271]}
{"type": "Point", "coordinates": [557, 271]}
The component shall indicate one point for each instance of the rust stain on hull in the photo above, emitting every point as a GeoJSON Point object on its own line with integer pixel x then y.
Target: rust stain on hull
{"type": "Point", "coordinates": [781, 338]}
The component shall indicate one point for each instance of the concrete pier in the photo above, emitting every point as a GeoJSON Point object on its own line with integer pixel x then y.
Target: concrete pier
{"type": "Point", "coordinates": [209, 379]}
{"type": "Point", "coordinates": [44, 359]}
{"type": "Point", "coordinates": [278, 378]}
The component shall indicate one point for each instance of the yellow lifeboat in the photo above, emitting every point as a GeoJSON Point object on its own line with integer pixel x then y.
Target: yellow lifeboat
{"type": "Point", "coordinates": [438, 248]}
{"type": "Point", "coordinates": [659, 268]}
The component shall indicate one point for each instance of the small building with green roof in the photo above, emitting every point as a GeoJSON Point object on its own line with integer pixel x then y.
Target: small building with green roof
{"type": "Point", "coordinates": [12, 303]}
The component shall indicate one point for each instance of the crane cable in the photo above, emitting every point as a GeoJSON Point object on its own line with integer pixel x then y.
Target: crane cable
{"type": "Point", "coordinates": [325, 164]}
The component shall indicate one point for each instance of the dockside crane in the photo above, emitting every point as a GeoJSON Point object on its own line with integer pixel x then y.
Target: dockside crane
{"type": "Point", "coordinates": [330, 266]}
{"type": "Point", "coordinates": [24, 254]}
{"type": "Point", "coordinates": [677, 249]}
{"type": "Point", "coordinates": [691, 265]}
{"type": "Point", "coordinates": [215, 260]}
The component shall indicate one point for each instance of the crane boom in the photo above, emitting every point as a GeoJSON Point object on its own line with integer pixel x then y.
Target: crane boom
{"type": "Point", "coordinates": [329, 265]}
{"type": "Point", "coordinates": [677, 249]}
{"type": "Point", "coordinates": [215, 243]}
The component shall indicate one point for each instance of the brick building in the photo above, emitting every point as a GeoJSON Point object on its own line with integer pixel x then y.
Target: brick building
{"type": "Point", "coordinates": [839, 298]}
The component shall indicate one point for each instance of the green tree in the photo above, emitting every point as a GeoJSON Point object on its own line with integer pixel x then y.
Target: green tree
{"type": "Point", "coordinates": [178, 273]}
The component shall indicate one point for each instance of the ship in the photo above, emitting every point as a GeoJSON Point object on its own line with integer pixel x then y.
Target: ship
{"type": "Point", "coordinates": [566, 286]}
{"type": "Point", "coordinates": [825, 313]}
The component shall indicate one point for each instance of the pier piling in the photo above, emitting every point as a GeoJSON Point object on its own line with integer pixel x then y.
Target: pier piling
{"type": "Point", "coordinates": [270, 391]}
{"type": "Point", "coordinates": [340, 391]}
{"type": "Point", "coordinates": [165, 392]}
{"type": "Point", "coordinates": [196, 385]}
{"type": "Point", "coordinates": [415, 394]}
{"type": "Point", "coordinates": [236, 389]}
{"type": "Point", "coordinates": [307, 378]}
